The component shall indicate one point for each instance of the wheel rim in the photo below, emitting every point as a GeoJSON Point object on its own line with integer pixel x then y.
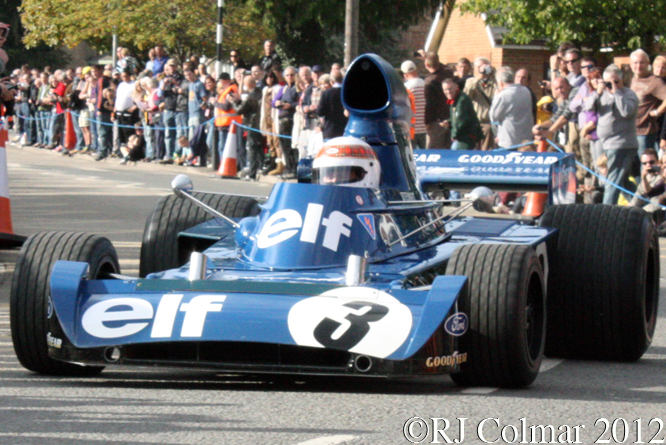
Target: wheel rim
{"type": "Point", "coordinates": [534, 318]}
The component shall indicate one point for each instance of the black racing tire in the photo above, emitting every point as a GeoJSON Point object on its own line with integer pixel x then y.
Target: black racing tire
{"type": "Point", "coordinates": [506, 304]}
{"type": "Point", "coordinates": [172, 215]}
{"type": "Point", "coordinates": [603, 282]}
{"type": "Point", "coordinates": [30, 293]}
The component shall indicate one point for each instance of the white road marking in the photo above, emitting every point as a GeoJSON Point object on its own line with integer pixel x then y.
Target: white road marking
{"type": "Point", "coordinates": [124, 263]}
{"type": "Point", "coordinates": [328, 440]}
{"type": "Point", "coordinates": [86, 178]}
{"type": "Point", "coordinates": [651, 389]}
{"type": "Point", "coordinates": [546, 365]}
{"type": "Point", "coordinates": [24, 184]}
{"type": "Point", "coordinates": [96, 437]}
{"type": "Point", "coordinates": [127, 244]}
{"type": "Point", "coordinates": [549, 363]}
{"type": "Point", "coordinates": [479, 391]}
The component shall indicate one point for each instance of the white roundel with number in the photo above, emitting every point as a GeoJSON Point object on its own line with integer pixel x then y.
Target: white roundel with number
{"type": "Point", "coordinates": [355, 319]}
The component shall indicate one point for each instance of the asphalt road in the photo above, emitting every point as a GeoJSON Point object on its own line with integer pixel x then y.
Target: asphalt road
{"type": "Point", "coordinates": [146, 406]}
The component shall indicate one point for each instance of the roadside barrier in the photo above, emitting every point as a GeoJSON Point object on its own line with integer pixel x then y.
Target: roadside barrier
{"type": "Point", "coordinates": [70, 135]}
{"type": "Point", "coordinates": [514, 147]}
{"type": "Point", "coordinates": [7, 236]}
{"type": "Point", "coordinates": [228, 164]}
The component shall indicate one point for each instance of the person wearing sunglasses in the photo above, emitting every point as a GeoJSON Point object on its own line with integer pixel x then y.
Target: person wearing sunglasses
{"type": "Point", "coordinates": [237, 61]}
{"type": "Point", "coordinates": [588, 67]}
{"type": "Point", "coordinates": [651, 186]}
{"type": "Point", "coordinates": [616, 127]}
{"type": "Point", "coordinates": [573, 59]}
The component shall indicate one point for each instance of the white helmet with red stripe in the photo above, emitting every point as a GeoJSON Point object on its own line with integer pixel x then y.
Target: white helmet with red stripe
{"type": "Point", "coordinates": [346, 161]}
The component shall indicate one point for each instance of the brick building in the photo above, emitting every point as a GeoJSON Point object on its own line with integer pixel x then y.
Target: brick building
{"type": "Point", "coordinates": [469, 36]}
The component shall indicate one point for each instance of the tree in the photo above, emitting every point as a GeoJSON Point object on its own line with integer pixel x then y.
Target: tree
{"type": "Point", "coordinates": [184, 26]}
{"type": "Point", "coordinates": [40, 55]}
{"type": "Point", "coordinates": [305, 30]}
{"type": "Point", "coordinates": [621, 25]}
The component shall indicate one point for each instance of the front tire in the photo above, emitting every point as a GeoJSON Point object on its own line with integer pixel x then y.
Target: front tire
{"type": "Point", "coordinates": [603, 282]}
{"type": "Point", "coordinates": [31, 291]}
{"type": "Point", "coordinates": [506, 306]}
{"type": "Point", "coordinates": [172, 215]}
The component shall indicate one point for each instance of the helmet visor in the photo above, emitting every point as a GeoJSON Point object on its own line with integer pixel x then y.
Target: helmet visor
{"type": "Point", "coordinates": [338, 175]}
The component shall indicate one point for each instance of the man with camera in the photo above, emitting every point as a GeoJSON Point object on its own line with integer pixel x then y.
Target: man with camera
{"type": "Point", "coordinates": [616, 106]}
{"type": "Point", "coordinates": [481, 89]}
{"type": "Point", "coordinates": [175, 107]}
{"type": "Point", "coordinates": [650, 190]}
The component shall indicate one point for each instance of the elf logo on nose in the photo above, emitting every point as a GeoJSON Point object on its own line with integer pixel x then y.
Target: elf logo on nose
{"type": "Point", "coordinates": [287, 223]}
{"type": "Point", "coordinates": [123, 317]}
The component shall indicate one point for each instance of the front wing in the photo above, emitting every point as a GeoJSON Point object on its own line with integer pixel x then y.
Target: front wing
{"type": "Point", "coordinates": [250, 326]}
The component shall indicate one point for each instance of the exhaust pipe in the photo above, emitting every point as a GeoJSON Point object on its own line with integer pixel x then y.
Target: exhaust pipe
{"type": "Point", "coordinates": [362, 363]}
{"type": "Point", "coordinates": [112, 354]}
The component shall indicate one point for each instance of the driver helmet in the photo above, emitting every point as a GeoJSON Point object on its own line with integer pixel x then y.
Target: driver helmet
{"type": "Point", "coordinates": [346, 161]}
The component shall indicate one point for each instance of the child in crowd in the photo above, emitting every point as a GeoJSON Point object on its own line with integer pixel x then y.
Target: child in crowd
{"type": "Point", "coordinates": [136, 146]}
{"type": "Point", "coordinates": [186, 153]}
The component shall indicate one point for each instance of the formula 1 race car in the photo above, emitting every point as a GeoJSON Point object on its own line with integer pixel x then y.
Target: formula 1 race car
{"type": "Point", "coordinates": [359, 273]}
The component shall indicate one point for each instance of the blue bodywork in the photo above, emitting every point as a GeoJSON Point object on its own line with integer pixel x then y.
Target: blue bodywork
{"type": "Point", "coordinates": [275, 297]}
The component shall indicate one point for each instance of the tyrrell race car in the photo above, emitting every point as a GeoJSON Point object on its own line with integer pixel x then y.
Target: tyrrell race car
{"type": "Point", "coordinates": [358, 273]}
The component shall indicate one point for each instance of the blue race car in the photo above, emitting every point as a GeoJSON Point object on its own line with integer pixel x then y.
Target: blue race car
{"type": "Point", "coordinates": [358, 273]}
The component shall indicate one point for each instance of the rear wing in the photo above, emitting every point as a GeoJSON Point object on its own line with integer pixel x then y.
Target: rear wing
{"type": "Point", "coordinates": [552, 173]}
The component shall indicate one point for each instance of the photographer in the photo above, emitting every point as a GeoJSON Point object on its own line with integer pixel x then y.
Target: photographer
{"type": "Point", "coordinates": [175, 107]}
{"type": "Point", "coordinates": [616, 106]}
{"type": "Point", "coordinates": [651, 186]}
{"type": "Point", "coordinates": [7, 90]}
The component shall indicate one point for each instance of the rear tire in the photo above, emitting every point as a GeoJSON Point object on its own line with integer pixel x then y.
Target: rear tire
{"type": "Point", "coordinates": [172, 215]}
{"type": "Point", "coordinates": [603, 282]}
{"type": "Point", "coordinates": [506, 306]}
{"type": "Point", "coordinates": [31, 291]}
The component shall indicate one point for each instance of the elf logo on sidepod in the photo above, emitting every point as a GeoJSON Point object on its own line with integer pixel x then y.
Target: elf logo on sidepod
{"type": "Point", "coordinates": [122, 317]}
{"type": "Point", "coordinates": [286, 223]}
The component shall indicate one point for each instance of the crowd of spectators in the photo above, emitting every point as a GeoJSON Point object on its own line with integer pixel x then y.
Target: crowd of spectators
{"type": "Point", "coordinates": [171, 112]}
{"type": "Point", "coordinates": [606, 118]}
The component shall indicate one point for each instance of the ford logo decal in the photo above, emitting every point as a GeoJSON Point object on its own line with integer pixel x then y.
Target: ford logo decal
{"type": "Point", "coordinates": [456, 324]}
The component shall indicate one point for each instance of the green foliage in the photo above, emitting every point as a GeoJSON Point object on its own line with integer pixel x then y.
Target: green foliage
{"type": "Point", "coordinates": [311, 31]}
{"type": "Point", "coordinates": [622, 25]}
{"type": "Point", "coordinates": [308, 32]}
{"type": "Point", "coordinates": [40, 55]}
{"type": "Point", "coordinates": [184, 26]}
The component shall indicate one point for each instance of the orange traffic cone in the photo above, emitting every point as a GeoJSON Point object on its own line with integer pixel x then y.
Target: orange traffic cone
{"type": "Point", "coordinates": [7, 237]}
{"type": "Point", "coordinates": [70, 135]}
{"type": "Point", "coordinates": [228, 164]}
{"type": "Point", "coordinates": [535, 203]}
